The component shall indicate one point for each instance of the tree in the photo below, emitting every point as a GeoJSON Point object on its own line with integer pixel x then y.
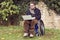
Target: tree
{"type": "Point", "coordinates": [53, 4]}
{"type": "Point", "coordinates": [8, 8]}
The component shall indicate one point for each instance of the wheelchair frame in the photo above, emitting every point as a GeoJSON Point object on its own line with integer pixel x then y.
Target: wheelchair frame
{"type": "Point", "coordinates": [40, 28]}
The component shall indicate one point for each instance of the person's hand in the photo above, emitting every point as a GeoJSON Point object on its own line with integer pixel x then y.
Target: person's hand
{"type": "Point", "coordinates": [35, 20]}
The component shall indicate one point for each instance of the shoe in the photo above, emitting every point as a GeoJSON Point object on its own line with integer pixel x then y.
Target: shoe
{"type": "Point", "coordinates": [31, 35]}
{"type": "Point", "coordinates": [25, 34]}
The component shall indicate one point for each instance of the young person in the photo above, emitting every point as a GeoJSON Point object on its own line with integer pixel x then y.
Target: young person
{"type": "Point", "coordinates": [30, 24]}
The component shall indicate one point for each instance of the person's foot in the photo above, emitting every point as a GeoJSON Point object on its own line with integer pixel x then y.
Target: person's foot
{"type": "Point", "coordinates": [25, 34]}
{"type": "Point", "coordinates": [31, 35]}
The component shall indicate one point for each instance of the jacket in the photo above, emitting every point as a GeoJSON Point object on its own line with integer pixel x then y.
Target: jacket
{"type": "Point", "coordinates": [37, 13]}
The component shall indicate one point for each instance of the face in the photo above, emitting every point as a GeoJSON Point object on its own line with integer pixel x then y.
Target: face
{"type": "Point", "coordinates": [32, 6]}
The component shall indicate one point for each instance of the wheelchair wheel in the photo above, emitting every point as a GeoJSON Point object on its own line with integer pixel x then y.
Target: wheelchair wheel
{"type": "Point", "coordinates": [42, 28]}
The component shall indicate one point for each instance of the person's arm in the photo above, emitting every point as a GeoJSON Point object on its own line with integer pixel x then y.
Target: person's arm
{"type": "Point", "coordinates": [38, 15]}
{"type": "Point", "coordinates": [27, 12]}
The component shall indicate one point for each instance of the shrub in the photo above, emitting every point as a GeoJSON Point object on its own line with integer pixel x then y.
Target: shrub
{"type": "Point", "coordinates": [8, 8]}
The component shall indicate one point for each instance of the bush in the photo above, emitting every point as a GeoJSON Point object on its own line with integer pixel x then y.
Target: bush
{"type": "Point", "coordinates": [8, 8]}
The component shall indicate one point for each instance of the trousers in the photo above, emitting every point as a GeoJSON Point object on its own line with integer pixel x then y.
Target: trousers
{"type": "Point", "coordinates": [29, 26]}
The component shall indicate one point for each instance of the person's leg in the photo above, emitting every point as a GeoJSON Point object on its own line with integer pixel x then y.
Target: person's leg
{"type": "Point", "coordinates": [26, 28]}
{"type": "Point", "coordinates": [33, 22]}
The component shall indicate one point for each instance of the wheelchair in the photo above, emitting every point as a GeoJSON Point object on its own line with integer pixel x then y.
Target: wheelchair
{"type": "Point", "coordinates": [40, 28]}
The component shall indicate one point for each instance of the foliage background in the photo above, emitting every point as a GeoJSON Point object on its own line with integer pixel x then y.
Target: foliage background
{"type": "Point", "coordinates": [11, 10]}
{"type": "Point", "coordinates": [53, 4]}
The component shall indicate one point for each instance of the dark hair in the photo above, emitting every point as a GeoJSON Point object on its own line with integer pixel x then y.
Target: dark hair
{"type": "Point", "coordinates": [32, 2]}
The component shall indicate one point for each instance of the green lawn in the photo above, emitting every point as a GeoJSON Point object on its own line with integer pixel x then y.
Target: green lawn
{"type": "Point", "coordinates": [16, 33]}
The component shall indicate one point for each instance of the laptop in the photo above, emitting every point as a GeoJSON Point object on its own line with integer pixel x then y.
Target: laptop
{"type": "Point", "coordinates": [27, 17]}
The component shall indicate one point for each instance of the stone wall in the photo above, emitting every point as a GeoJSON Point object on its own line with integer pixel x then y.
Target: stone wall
{"type": "Point", "coordinates": [51, 20]}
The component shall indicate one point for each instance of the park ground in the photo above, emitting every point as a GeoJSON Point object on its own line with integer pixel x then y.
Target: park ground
{"type": "Point", "coordinates": [16, 33]}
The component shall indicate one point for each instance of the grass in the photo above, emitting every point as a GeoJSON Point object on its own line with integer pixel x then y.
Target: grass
{"type": "Point", "coordinates": [16, 33]}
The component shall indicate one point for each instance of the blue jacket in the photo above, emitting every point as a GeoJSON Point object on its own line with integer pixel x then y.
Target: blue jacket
{"type": "Point", "coordinates": [37, 13]}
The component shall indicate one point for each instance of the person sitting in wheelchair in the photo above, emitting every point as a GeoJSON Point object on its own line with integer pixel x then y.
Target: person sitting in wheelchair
{"type": "Point", "coordinates": [29, 25]}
